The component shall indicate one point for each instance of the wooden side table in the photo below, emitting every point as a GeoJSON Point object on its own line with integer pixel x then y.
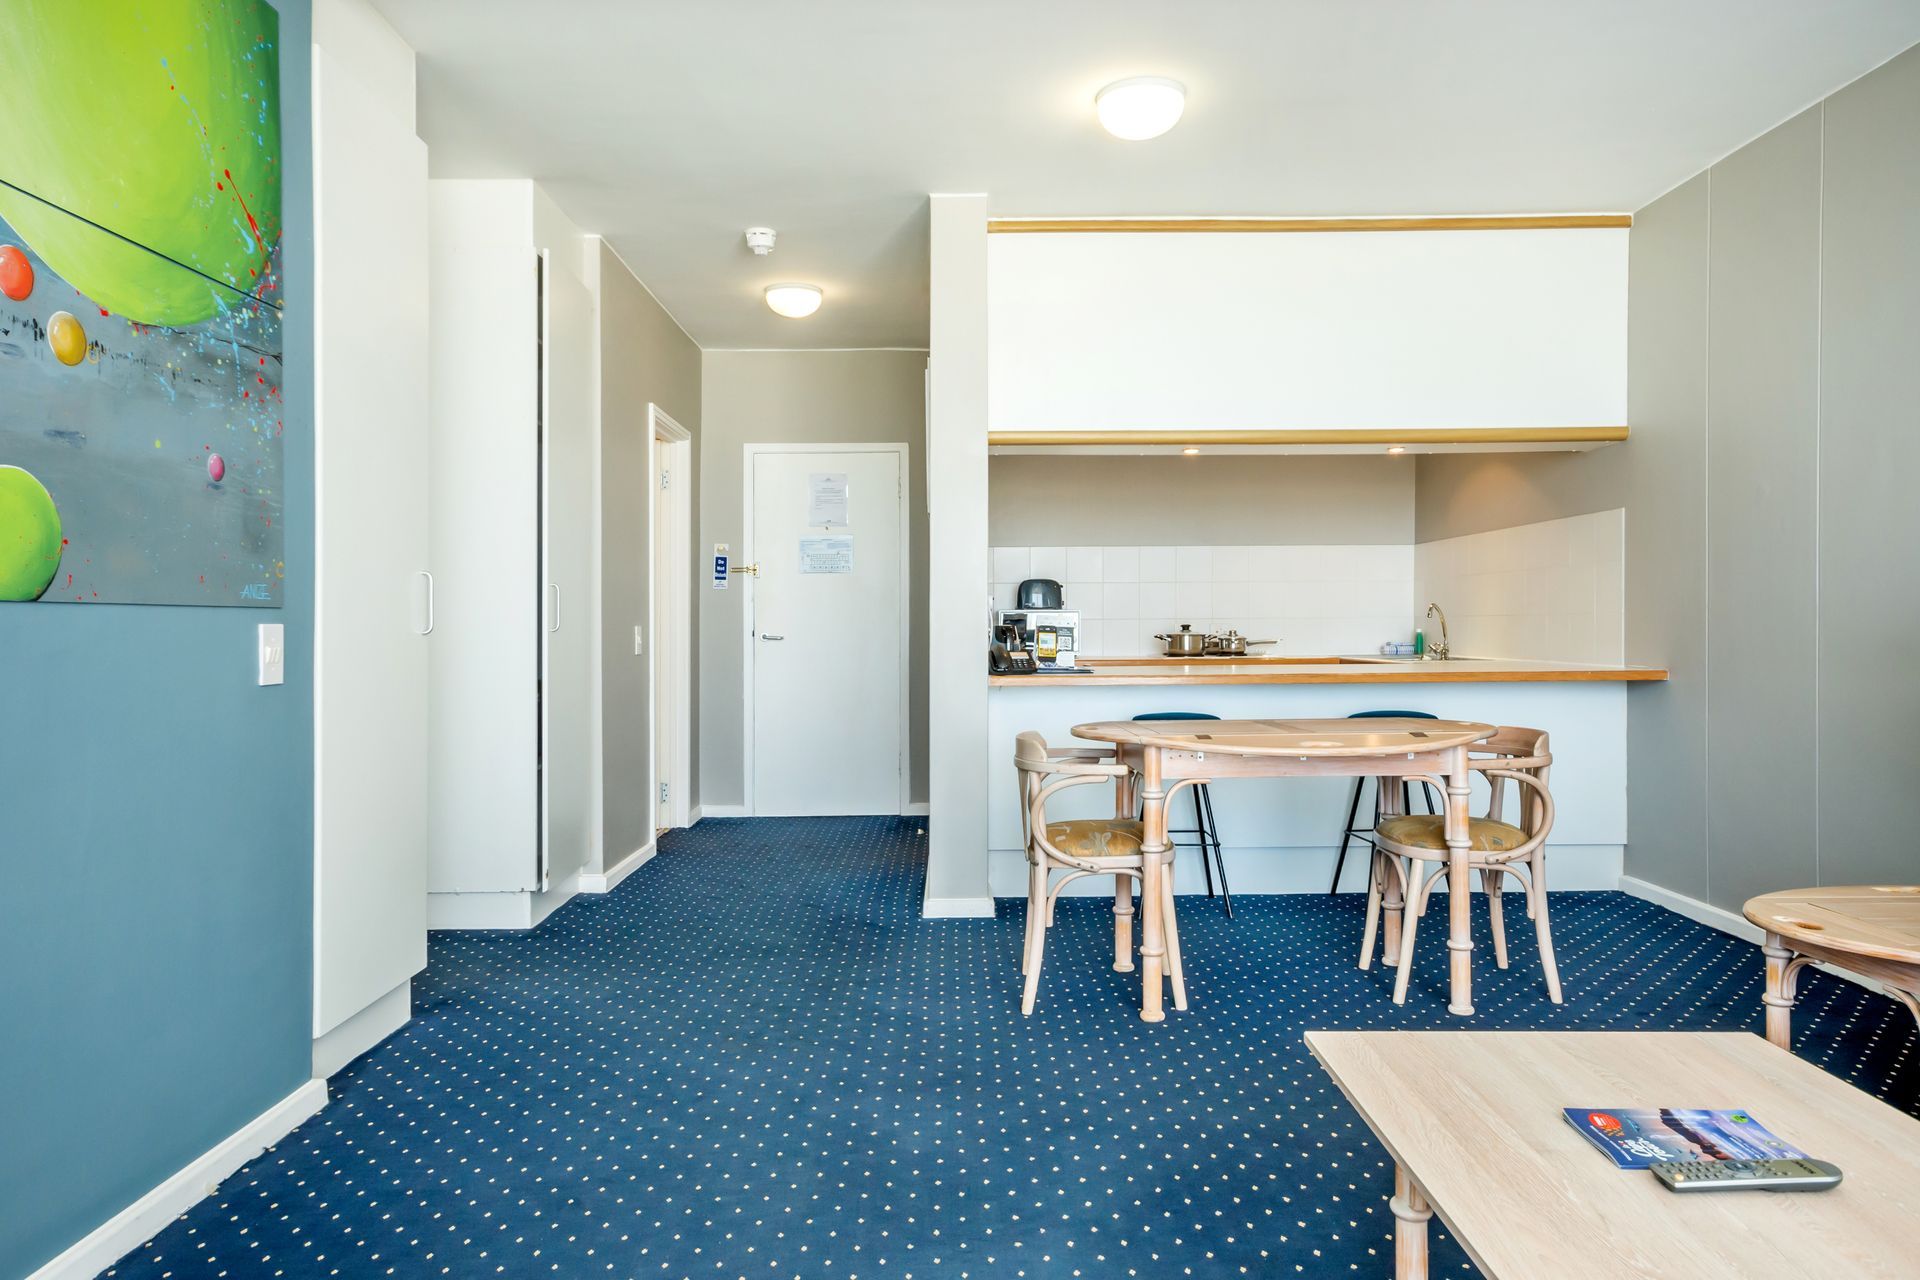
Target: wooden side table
{"type": "Point", "coordinates": [1869, 929]}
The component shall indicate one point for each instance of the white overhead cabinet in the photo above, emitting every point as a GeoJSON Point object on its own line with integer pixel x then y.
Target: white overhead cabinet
{"type": "Point", "coordinates": [371, 606]}
{"type": "Point", "coordinates": [1319, 331]}
{"type": "Point", "coordinates": [511, 487]}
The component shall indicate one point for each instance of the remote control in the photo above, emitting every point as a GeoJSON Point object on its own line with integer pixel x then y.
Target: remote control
{"type": "Point", "coordinates": [1747, 1175]}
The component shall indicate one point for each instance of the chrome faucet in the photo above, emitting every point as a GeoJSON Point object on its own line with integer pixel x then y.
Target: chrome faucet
{"type": "Point", "coordinates": [1438, 652]}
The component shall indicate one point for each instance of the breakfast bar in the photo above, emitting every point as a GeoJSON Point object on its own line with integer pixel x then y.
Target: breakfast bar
{"type": "Point", "coordinates": [1282, 838]}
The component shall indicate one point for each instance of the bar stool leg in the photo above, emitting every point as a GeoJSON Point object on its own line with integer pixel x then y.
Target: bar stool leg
{"type": "Point", "coordinates": [1204, 794]}
{"type": "Point", "coordinates": [1200, 829]}
{"type": "Point", "coordinates": [1346, 836]}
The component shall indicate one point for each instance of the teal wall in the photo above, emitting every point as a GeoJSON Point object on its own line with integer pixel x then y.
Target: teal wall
{"type": "Point", "coordinates": [156, 846]}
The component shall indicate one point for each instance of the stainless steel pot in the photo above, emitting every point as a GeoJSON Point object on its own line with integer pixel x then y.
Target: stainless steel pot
{"type": "Point", "coordinates": [1231, 644]}
{"type": "Point", "coordinates": [1185, 643]}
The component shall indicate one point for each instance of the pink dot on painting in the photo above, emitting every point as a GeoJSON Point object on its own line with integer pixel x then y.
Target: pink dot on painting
{"type": "Point", "coordinates": [216, 468]}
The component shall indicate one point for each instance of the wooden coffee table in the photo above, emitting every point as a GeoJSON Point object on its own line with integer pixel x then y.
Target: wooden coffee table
{"type": "Point", "coordinates": [1870, 929]}
{"type": "Point", "coordinates": [1472, 1120]}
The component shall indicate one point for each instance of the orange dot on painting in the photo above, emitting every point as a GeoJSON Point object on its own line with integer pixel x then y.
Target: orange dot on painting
{"type": "Point", "coordinates": [67, 337]}
{"type": "Point", "coordinates": [16, 273]}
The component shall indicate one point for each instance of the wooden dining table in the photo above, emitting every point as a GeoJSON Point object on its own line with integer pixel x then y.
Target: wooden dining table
{"type": "Point", "coordinates": [1161, 753]}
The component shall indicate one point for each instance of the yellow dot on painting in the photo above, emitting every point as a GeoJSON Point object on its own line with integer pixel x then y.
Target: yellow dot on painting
{"type": "Point", "coordinates": [67, 337]}
{"type": "Point", "coordinates": [156, 444]}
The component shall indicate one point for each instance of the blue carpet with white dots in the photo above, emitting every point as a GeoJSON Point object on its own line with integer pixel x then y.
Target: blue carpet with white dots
{"type": "Point", "coordinates": [754, 1059]}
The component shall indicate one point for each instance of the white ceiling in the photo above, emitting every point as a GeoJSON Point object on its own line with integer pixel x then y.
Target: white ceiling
{"type": "Point", "coordinates": [668, 126]}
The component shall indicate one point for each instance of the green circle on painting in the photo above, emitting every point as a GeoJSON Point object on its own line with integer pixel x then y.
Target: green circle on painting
{"type": "Point", "coordinates": [29, 536]}
{"type": "Point", "coordinates": [158, 121]}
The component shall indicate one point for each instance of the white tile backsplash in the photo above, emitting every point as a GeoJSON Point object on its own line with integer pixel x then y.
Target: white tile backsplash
{"type": "Point", "coordinates": [1549, 591]}
{"type": "Point", "coordinates": [1553, 591]}
{"type": "Point", "coordinates": [1312, 600]}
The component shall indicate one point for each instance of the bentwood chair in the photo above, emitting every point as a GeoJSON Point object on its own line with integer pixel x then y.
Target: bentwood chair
{"type": "Point", "coordinates": [1412, 848]}
{"type": "Point", "coordinates": [1350, 832]}
{"type": "Point", "coordinates": [1204, 827]}
{"type": "Point", "coordinates": [1083, 847]}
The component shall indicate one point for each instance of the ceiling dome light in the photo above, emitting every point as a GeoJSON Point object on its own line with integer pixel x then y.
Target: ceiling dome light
{"type": "Point", "coordinates": [794, 301]}
{"type": "Point", "coordinates": [1141, 108]}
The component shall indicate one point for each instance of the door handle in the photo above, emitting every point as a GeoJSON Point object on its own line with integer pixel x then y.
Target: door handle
{"type": "Point", "coordinates": [553, 622]}
{"type": "Point", "coordinates": [766, 636]}
{"type": "Point", "coordinates": [429, 628]}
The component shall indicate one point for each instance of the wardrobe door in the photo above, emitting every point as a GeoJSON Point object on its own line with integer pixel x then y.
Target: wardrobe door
{"type": "Point", "coordinates": [485, 498]}
{"type": "Point", "coordinates": [566, 557]}
{"type": "Point", "coordinates": [372, 606]}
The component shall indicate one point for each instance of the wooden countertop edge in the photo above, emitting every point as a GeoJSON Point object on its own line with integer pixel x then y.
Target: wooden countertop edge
{"type": "Point", "coordinates": [1359, 676]}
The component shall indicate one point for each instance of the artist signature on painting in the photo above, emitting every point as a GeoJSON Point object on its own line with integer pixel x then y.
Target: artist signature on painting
{"type": "Point", "coordinates": [256, 591]}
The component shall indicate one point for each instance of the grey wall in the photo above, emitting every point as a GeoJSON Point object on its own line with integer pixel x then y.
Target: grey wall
{"type": "Point", "coordinates": [1052, 500]}
{"type": "Point", "coordinates": [1770, 520]}
{"type": "Point", "coordinates": [798, 397]}
{"type": "Point", "coordinates": [156, 835]}
{"type": "Point", "coordinates": [644, 357]}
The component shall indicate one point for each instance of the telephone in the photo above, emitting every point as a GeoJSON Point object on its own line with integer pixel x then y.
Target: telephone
{"type": "Point", "coordinates": [1007, 656]}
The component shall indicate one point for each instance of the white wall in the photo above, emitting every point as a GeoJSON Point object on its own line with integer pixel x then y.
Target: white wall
{"type": "Point", "coordinates": [957, 604]}
{"type": "Point", "coordinates": [1377, 329]}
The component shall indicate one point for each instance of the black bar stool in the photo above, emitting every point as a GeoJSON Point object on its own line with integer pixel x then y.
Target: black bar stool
{"type": "Point", "coordinates": [1348, 832]}
{"type": "Point", "coordinates": [1204, 827]}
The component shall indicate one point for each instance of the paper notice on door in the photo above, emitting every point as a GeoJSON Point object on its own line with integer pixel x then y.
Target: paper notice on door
{"type": "Point", "coordinates": [827, 498]}
{"type": "Point", "coordinates": [826, 555]}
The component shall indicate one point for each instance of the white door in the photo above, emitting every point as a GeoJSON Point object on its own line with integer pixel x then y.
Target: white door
{"type": "Point", "coordinates": [371, 597]}
{"type": "Point", "coordinates": [662, 640]}
{"type": "Point", "coordinates": [566, 552]}
{"type": "Point", "coordinates": [827, 643]}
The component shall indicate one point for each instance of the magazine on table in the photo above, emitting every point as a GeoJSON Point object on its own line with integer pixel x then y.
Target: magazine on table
{"type": "Point", "coordinates": [1636, 1137]}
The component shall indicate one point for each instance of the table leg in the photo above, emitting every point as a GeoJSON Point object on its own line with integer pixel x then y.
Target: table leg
{"type": "Point", "coordinates": [1411, 1213]}
{"type": "Point", "coordinates": [1779, 994]}
{"type": "Point", "coordinates": [1153, 940]}
{"type": "Point", "coordinates": [1459, 887]}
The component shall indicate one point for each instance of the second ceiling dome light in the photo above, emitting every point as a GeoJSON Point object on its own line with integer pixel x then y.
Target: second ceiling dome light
{"type": "Point", "coordinates": [1140, 108]}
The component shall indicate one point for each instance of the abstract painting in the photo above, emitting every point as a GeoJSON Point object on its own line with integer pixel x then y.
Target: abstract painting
{"type": "Point", "coordinates": [141, 449]}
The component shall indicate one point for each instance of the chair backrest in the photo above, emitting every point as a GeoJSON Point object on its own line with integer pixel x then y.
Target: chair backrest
{"type": "Point", "coordinates": [1525, 757]}
{"type": "Point", "coordinates": [1176, 715]}
{"type": "Point", "coordinates": [1042, 771]}
{"type": "Point", "coordinates": [1393, 715]}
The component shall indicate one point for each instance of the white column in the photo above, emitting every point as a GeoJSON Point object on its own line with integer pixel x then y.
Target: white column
{"type": "Point", "coordinates": [957, 589]}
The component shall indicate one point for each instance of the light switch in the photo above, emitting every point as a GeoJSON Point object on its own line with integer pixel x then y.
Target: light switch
{"type": "Point", "coordinates": [636, 640]}
{"type": "Point", "coordinates": [273, 653]}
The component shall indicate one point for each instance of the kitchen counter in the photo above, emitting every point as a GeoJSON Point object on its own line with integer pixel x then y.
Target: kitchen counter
{"type": "Point", "coordinates": [1330, 670]}
{"type": "Point", "coordinates": [1279, 835]}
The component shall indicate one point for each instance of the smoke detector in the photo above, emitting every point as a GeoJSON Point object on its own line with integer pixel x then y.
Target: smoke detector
{"type": "Point", "coordinates": [760, 240]}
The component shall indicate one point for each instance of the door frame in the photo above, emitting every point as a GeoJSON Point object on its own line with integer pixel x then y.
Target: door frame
{"type": "Point", "coordinates": [751, 452]}
{"type": "Point", "coordinates": [669, 635]}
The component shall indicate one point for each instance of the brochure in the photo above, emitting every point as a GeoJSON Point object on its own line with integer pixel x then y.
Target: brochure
{"type": "Point", "coordinates": [1635, 1137]}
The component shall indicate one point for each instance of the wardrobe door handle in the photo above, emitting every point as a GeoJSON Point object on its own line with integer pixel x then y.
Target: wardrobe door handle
{"type": "Point", "coordinates": [553, 621]}
{"type": "Point", "coordinates": [765, 636]}
{"type": "Point", "coordinates": [429, 627]}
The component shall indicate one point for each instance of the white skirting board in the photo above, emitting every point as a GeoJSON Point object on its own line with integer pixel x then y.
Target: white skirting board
{"type": "Point", "coordinates": [362, 1031]}
{"type": "Point", "coordinates": [956, 908]}
{"type": "Point", "coordinates": [140, 1221]}
{"type": "Point", "coordinates": [604, 881]}
{"type": "Point", "coordinates": [514, 910]}
{"type": "Point", "coordinates": [918, 809]}
{"type": "Point", "coordinates": [723, 811]}
{"type": "Point", "coordinates": [1309, 870]}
